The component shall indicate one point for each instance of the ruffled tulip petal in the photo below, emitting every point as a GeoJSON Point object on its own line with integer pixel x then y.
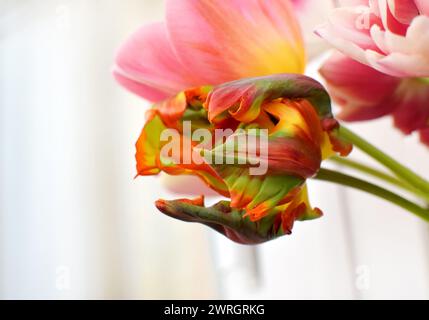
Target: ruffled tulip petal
{"type": "Point", "coordinates": [221, 41]}
{"type": "Point", "coordinates": [244, 98]}
{"type": "Point", "coordinates": [260, 193]}
{"type": "Point", "coordinates": [303, 133]}
{"type": "Point", "coordinates": [151, 162]}
{"type": "Point", "coordinates": [148, 66]}
{"type": "Point", "coordinates": [231, 223]}
{"type": "Point", "coordinates": [223, 219]}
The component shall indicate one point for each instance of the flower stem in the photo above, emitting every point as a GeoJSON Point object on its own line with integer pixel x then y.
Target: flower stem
{"type": "Point", "coordinates": [349, 181]}
{"type": "Point", "coordinates": [380, 175]}
{"type": "Point", "coordinates": [398, 169]}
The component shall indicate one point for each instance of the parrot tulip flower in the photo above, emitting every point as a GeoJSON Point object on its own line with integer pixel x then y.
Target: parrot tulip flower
{"type": "Point", "coordinates": [232, 65]}
{"type": "Point", "coordinates": [295, 111]}
{"type": "Point", "coordinates": [211, 42]}
{"type": "Point", "coordinates": [384, 65]}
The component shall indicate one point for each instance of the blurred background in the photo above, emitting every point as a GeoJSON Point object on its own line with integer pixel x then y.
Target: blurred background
{"type": "Point", "coordinates": [74, 224]}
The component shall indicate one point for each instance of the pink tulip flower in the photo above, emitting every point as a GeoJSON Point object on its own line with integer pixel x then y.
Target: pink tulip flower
{"type": "Point", "coordinates": [211, 42]}
{"type": "Point", "coordinates": [312, 13]}
{"type": "Point", "coordinates": [384, 65]}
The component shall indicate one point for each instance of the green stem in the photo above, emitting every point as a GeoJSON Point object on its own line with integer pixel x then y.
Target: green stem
{"type": "Point", "coordinates": [380, 175]}
{"type": "Point", "coordinates": [349, 181]}
{"type": "Point", "coordinates": [398, 169]}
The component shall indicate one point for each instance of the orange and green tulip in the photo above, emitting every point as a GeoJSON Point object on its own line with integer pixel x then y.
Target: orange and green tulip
{"type": "Point", "coordinates": [294, 109]}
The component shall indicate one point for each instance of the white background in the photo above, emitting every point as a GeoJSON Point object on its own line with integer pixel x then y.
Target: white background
{"type": "Point", "coordinates": [74, 223]}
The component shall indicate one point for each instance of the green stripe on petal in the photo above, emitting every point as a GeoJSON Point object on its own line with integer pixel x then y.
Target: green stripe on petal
{"type": "Point", "coordinates": [226, 220]}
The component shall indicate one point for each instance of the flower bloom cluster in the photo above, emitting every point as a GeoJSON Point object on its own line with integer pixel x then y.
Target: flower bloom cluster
{"type": "Point", "coordinates": [382, 67]}
{"type": "Point", "coordinates": [232, 65]}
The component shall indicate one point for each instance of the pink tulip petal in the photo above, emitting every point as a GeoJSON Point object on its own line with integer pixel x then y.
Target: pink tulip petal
{"type": "Point", "coordinates": [403, 56]}
{"type": "Point", "coordinates": [418, 33]}
{"type": "Point", "coordinates": [347, 47]}
{"type": "Point", "coordinates": [353, 24]}
{"type": "Point", "coordinates": [374, 7]}
{"type": "Point", "coordinates": [348, 30]}
{"type": "Point", "coordinates": [349, 3]}
{"type": "Point", "coordinates": [221, 41]}
{"type": "Point", "coordinates": [150, 93]}
{"type": "Point", "coordinates": [399, 55]}
{"type": "Point", "coordinates": [415, 42]}
{"type": "Point", "coordinates": [388, 19]}
{"type": "Point", "coordinates": [424, 136]}
{"type": "Point", "coordinates": [423, 6]}
{"type": "Point", "coordinates": [404, 11]}
{"type": "Point", "coordinates": [147, 60]}
{"type": "Point", "coordinates": [312, 13]}
{"type": "Point", "coordinates": [362, 92]}
{"type": "Point", "coordinates": [402, 65]}
{"type": "Point", "coordinates": [412, 98]}
{"type": "Point", "coordinates": [396, 55]}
